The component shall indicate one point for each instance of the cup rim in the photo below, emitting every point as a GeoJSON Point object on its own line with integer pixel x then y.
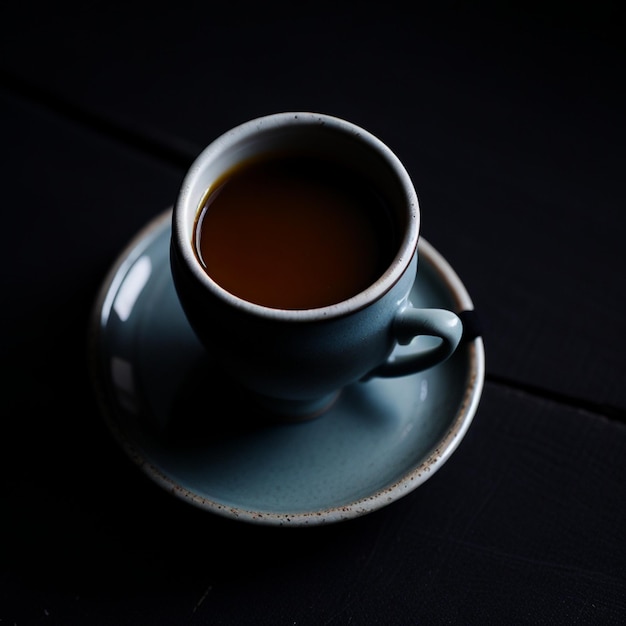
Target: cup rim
{"type": "Point", "coordinates": [185, 211]}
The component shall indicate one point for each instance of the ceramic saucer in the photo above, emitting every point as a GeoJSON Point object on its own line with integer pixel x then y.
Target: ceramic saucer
{"type": "Point", "coordinates": [188, 429]}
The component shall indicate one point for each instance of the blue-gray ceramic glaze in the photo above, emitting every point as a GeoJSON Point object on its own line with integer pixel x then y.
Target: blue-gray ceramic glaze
{"type": "Point", "coordinates": [195, 434]}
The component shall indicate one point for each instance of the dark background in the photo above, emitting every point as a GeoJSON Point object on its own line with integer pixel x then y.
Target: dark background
{"type": "Point", "coordinates": [511, 122]}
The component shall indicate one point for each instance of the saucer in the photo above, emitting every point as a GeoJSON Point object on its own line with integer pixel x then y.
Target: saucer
{"type": "Point", "coordinates": [185, 426]}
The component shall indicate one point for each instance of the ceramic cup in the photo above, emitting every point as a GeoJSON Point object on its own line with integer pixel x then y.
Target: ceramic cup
{"type": "Point", "coordinates": [295, 361]}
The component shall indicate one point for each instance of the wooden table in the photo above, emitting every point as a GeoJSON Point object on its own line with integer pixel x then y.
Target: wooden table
{"type": "Point", "coordinates": [512, 125]}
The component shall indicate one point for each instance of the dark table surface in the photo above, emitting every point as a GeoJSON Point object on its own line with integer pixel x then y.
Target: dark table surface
{"type": "Point", "coordinates": [512, 125]}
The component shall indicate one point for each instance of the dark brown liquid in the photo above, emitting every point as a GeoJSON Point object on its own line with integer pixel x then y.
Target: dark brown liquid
{"type": "Point", "coordinates": [294, 233]}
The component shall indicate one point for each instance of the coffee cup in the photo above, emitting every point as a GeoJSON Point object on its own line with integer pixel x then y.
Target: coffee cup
{"type": "Point", "coordinates": [294, 249]}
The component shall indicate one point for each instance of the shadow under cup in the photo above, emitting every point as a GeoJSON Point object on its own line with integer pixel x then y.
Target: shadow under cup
{"type": "Point", "coordinates": [294, 240]}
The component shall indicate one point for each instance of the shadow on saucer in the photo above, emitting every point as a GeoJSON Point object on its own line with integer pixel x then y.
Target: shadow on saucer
{"type": "Point", "coordinates": [209, 407]}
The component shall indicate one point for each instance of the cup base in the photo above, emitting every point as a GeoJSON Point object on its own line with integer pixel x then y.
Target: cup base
{"type": "Point", "coordinates": [295, 410]}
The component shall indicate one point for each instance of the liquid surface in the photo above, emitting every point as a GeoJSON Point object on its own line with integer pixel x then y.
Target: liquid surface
{"type": "Point", "coordinates": [294, 233]}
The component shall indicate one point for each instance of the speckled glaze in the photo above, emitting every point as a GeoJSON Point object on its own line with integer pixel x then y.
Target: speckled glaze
{"type": "Point", "coordinates": [194, 434]}
{"type": "Point", "coordinates": [295, 361]}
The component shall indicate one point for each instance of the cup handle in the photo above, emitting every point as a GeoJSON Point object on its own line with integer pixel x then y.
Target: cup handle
{"type": "Point", "coordinates": [412, 322]}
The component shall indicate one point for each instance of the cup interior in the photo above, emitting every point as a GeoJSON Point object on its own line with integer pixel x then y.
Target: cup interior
{"type": "Point", "coordinates": [309, 135]}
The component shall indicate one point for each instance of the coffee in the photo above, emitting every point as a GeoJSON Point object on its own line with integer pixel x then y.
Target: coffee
{"type": "Point", "coordinates": [294, 232]}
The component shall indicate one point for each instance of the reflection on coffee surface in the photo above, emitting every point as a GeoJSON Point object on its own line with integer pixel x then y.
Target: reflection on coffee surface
{"type": "Point", "coordinates": [294, 232]}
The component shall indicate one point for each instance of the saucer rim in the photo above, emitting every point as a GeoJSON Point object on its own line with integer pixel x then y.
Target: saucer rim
{"type": "Point", "coordinates": [379, 498]}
